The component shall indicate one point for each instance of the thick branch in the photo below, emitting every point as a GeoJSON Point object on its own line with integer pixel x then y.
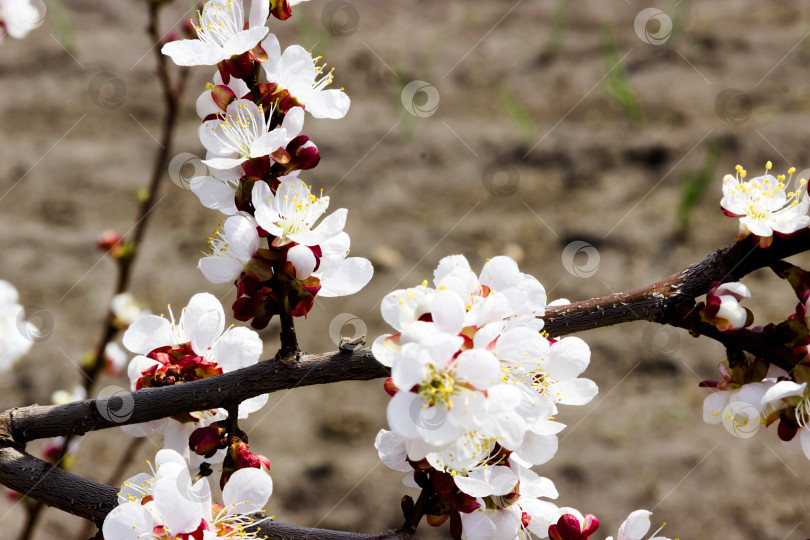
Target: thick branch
{"type": "Point", "coordinates": [37, 422]}
{"type": "Point", "coordinates": [659, 302]}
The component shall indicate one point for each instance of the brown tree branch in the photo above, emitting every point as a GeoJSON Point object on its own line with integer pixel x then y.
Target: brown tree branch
{"type": "Point", "coordinates": [38, 421]}
{"type": "Point", "coordinates": [662, 301]}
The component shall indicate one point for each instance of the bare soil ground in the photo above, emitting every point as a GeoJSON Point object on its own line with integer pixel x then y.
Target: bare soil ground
{"type": "Point", "coordinates": [573, 167]}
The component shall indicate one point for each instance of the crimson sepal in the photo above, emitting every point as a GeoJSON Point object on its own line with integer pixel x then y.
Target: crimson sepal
{"type": "Point", "coordinates": [737, 371]}
{"type": "Point", "coordinates": [239, 66]}
{"type": "Point", "coordinates": [280, 156]}
{"type": "Point", "coordinates": [258, 311]}
{"type": "Point", "coordinates": [238, 457]}
{"type": "Point", "coordinates": [222, 96]}
{"type": "Point", "coordinates": [198, 534]}
{"type": "Point", "coordinates": [304, 156]}
{"type": "Point", "coordinates": [206, 441]}
{"type": "Point", "coordinates": [307, 290]}
{"type": "Point", "coordinates": [787, 427]}
{"type": "Point", "coordinates": [243, 199]}
{"type": "Point", "coordinates": [258, 54]}
{"type": "Point", "coordinates": [257, 168]}
{"type": "Point", "coordinates": [437, 521]}
{"type": "Point", "coordinates": [280, 9]}
{"type": "Point", "coordinates": [223, 72]}
{"type": "Point", "coordinates": [455, 526]}
{"type": "Point", "coordinates": [801, 351]}
{"type": "Point", "coordinates": [569, 528]}
{"type": "Point", "coordinates": [260, 265]}
{"type": "Point", "coordinates": [287, 101]}
{"type": "Point", "coordinates": [389, 386]}
{"type": "Point", "coordinates": [270, 94]}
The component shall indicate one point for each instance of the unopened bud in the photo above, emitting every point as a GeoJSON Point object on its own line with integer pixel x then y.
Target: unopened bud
{"type": "Point", "coordinates": [205, 441]}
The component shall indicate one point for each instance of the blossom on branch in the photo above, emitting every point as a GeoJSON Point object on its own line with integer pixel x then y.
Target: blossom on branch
{"type": "Point", "coordinates": [723, 309]}
{"type": "Point", "coordinates": [763, 206]}
{"type": "Point", "coordinates": [243, 133]}
{"type": "Point", "coordinates": [170, 503]}
{"type": "Point", "coordinates": [289, 216]}
{"type": "Point", "coordinates": [789, 402]}
{"type": "Point", "coordinates": [196, 347]}
{"type": "Point", "coordinates": [231, 249]}
{"type": "Point", "coordinates": [221, 34]}
{"type": "Point", "coordinates": [635, 527]}
{"type": "Point", "coordinates": [475, 389]}
{"type": "Point", "coordinates": [302, 82]}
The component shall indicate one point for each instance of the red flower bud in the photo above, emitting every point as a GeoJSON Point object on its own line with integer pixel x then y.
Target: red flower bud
{"type": "Point", "coordinates": [206, 441]}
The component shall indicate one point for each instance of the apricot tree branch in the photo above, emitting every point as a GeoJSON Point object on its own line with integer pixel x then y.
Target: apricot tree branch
{"type": "Point", "coordinates": [38, 421]}
{"type": "Point", "coordinates": [672, 300]}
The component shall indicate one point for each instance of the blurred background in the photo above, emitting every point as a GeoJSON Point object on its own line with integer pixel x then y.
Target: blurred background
{"type": "Point", "coordinates": [585, 139]}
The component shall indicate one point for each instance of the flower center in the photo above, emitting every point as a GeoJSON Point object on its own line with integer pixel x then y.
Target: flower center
{"type": "Point", "coordinates": [438, 387]}
{"type": "Point", "coordinates": [219, 21]}
{"type": "Point", "coordinates": [297, 213]}
{"type": "Point", "coordinates": [242, 130]}
{"type": "Point", "coordinates": [762, 195]}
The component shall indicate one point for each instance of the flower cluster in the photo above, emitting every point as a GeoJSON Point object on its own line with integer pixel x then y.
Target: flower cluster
{"type": "Point", "coordinates": [252, 117]}
{"type": "Point", "coordinates": [170, 503]}
{"type": "Point", "coordinates": [196, 347]}
{"type": "Point", "coordinates": [763, 206]}
{"type": "Point", "coordinates": [18, 17]}
{"type": "Point", "coordinates": [753, 392]}
{"type": "Point", "coordinates": [475, 389]}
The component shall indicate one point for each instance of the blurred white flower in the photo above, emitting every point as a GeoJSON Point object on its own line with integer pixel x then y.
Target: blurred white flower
{"type": "Point", "coordinates": [15, 332]}
{"type": "Point", "coordinates": [126, 309]}
{"type": "Point", "coordinates": [18, 17]}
